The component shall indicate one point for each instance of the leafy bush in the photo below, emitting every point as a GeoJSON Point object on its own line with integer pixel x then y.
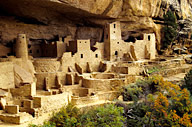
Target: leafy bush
{"type": "Point", "coordinates": [104, 116]}
{"type": "Point", "coordinates": [152, 70]}
{"type": "Point", "coordinates": [46, 124]}
{"type": "Point", "coordinates": [140, 89]}
{"type": "Point", "coordinates": [136, 114]}
{"type": "Point", "coordinates": [67, 116]}
{"type": "Point", "coordinates": [148, 85]}
{"type": "Point", "coordinates": [131, 92]}
{"type": "Point", "coordinates": [188, 81]}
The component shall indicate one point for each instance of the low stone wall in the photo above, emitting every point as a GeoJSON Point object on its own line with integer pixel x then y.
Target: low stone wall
{"type": "Point", "coordinates": [103, 75]}
{"type": "Point", "coordinates": [109, 95]}
{"type": "Point", "coordinates": [46, 65]}
{"type": "Point", "coordinates": [27, 90]}
{"type": "Point", "coordinates": [19, 118]}
{"type": "Point", "coordinates": [103, 84]}
{"type": "Point", "coordinates": [44, 104]}
{"type": "Point", "coordinates": [52, 80]}
{"type": "Point", "coordinates": [84, 100]}
{"type": "Point", "coordinates": [41, 80]}
{"type": "Point", "coordinates": [120, 70]}
{"type": "Point", "coordinates": [81, 92]}
{"type": "Point", "coordinates": [101, 96]}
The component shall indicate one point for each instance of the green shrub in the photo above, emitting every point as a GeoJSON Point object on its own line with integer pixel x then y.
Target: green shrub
{"type": "Point", "coordinates": [66, 117]}
{"type": "Point", "coordinates": [188, 81]}
{"type": "Point", "coordinates": [152, 70]}
{"type": "Point", "coordinates": [104, 116]}
{"type": "Point", "coordinates": [131, 92]}
{"type": "Point", "coordinates": [136, 115]}
{"type": "Point", "coordinates": [45, 124]}
{"type": "Point", "coordinates": [140, 89]}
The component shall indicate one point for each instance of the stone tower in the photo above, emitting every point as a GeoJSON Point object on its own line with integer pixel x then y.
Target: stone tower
{"type": "Point", "coordinates": [21, 47]}
{"type": "Point", "coordinates": [151, 45]}
{"type": "Point", "coordinates": [111, 37]}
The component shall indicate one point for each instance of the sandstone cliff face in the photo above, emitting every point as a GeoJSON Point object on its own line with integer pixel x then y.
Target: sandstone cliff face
{"type": "Point", "coordinates": [84, 19]}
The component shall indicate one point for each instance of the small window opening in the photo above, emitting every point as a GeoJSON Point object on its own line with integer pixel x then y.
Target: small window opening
{"type": "Point", "coordinates": [37, 51]}
{"type": "Point", "coordinates": [117, 42]}
{"type": "Point", "coordinates": [116, 53]}
{"type": "Point", "coordinates": [22, 104]}
{"type": "Point", "coordinates": [81, 55]}
{"type": "Point", "coordinates": [30, 51]}
{"type": "Point", "coordinates": [114, 25]}
{"type": "Point", "coordinates": [96, 55]}
{"type": "Point", "coordinates": [149, 37]}
{"type": "Point", "coordinates": [113, 31]}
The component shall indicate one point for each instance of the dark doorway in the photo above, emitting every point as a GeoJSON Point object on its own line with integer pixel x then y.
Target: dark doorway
{"type": "Point", "coordinates": [116, 53]}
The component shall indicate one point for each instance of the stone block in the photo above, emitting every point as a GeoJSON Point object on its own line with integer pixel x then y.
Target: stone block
{"type": "Point", "coordinates": [28, 104]}
{"type": "Point", "coordinates": [70, 79]}
{"type": "Point", "coordinates": [89, 69]}
{"type": "Point", "coordinates": [133, 54]}
{"type": "Point", "coordinates": [12, 109]}
{"type": "Point", "coordinates": [47, 85]}
{"type": "Point", "coordinates": [79, 69]}
{"type": "Point", "coordinates": [2, 103]}
{"type": "Point", "coordinates": [37, 102]}
{"type": "Point", "coordinates": [20, 118]}
{"type": "Point", "coordinates": [33, 89]}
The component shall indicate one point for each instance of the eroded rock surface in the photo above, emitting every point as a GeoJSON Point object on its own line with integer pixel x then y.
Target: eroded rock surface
{"type": "Point", "coordinates": [44, 19]}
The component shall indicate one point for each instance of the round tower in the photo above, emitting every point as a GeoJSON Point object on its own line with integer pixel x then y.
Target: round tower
{"type": "Point", "coordinates": [21, 47]}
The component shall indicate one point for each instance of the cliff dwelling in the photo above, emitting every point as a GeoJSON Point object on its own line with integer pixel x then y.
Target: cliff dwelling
{"type": "Point", "coordinates": [67, 53]}
{"type": "Point", "coordinates": [42, 74]}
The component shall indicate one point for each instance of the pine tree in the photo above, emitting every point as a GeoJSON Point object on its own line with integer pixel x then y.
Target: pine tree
{"type": "Point", "coordinates": [170, 28]}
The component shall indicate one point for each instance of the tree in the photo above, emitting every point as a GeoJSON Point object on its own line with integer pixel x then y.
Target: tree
{"type": "Point", "coordinates": [170, 28]}
{"type": "Point", "coordinates": [188, 81]}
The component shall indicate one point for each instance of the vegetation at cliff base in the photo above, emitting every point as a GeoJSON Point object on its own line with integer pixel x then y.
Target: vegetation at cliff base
{"type": "Point", "coordinates": [169, 106]}
{"type": "Point", "coordinates": [104, 116]}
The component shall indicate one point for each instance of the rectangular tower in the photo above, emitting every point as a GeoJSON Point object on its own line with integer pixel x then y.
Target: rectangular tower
{"type": "Point", "coordinates": [112, 36]}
